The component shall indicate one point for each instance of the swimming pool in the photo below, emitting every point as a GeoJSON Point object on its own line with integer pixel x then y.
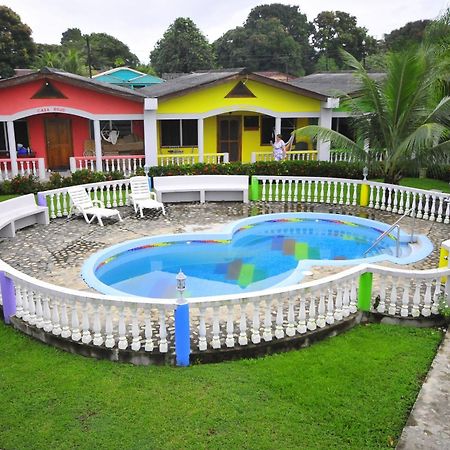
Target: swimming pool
{"type": "Point", "coordinates": [248, 255]}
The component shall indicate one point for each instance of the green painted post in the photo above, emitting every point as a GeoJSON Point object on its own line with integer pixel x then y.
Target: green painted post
{"type": "Point", "coordinates": [254, 189]}
{"type": "Point", "coordinates": [365, 291]}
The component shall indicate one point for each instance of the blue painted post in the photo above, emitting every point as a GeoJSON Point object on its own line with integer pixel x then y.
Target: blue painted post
{"type": "Point", "coordinates": [182, 335]}
{"type": "Point", "coordinates": [8, 296]}
{"type": "Point", "coordinates": [41, 199]}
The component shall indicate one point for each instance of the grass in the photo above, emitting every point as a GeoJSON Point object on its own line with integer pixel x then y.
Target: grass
{"type": "Point", "coordinates": [353, 391]}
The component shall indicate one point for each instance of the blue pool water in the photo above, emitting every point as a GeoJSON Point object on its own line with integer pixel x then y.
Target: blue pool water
{"type": "Point", "coordinates": [253, 254]}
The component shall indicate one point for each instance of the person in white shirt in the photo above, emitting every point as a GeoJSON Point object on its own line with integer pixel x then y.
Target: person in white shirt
{"type": "Point", "coordinates": [279, 148]}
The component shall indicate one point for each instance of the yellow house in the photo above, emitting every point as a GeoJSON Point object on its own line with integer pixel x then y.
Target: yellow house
{"type": "Point", "coordinates": [229, 113]}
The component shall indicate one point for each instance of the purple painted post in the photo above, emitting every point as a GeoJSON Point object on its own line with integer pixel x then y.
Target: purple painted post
{"type": "Point", "coordinates": [8, 296]}
{"type": "Point", "coordinates": [41, 199]}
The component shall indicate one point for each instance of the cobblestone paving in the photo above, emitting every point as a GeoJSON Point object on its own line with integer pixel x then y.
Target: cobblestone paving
{"type": "Point", "coordinates": [56, 253]}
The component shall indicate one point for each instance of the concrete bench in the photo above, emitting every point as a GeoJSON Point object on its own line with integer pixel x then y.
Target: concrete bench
{"type": "Point", "coordinates": [191, 188]}
{"type": "Point", "coordinates": [19, 213]}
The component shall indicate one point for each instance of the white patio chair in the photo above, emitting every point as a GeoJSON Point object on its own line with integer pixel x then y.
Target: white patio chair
{"type": "Point", "coordinates": [81, 201]}
{"type": "Point", "coordinates": [142, 197]}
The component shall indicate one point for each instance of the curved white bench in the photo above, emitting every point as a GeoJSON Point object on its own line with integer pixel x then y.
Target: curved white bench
{"type": "Point", "coordinates": [189, 188]}
{"type": "Point", "coordinates": [21, 212]}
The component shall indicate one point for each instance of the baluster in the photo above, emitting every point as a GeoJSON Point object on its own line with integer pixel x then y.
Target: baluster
{"type": "Point", "coordinates": [316, 191]}
{"type": "Point", "coordinates": [381, 308]}
{"type": "Point", "coordinates": [353, 297]}
{"type": "Point", "coordinates": [433, 208]}
{"type": "Point", "coordinates": [19, 301]}
{"type": "Point", "coordinates": [426, 310]}
{"type": "Point", "coordinates": [329, 188]}
{"type": "Point", "coordinates": [296, 183]}
{"type": "Point", "coordinates": [96, 327]}
{"type": "Point", "coordinates": [377, 198]}
{"type": "Point", "coordinates": [309, 194]}
{"type": "Point", "coordinates": [303, 193]}
{"type": "Point", "coordinates": [47, 315]}
{"type": "Point", "coordinates": [383, 198]}
{"type": "Point", "coordinates": [415, 312]}
{"type": "Point", "coordinates": [267, 332]}
{"type": "Point", "coordinates": [354, 196]}
{"type": "Point", "coordinates": [163, 345]}
{"type": "Point", "coordinates": [405, 299]}
{"type": "Point", "coordinates": [148, 330]}
{"type": "Point", "coordinates": [311, 324]}
{"type": "Point", "coordinates": [55, 318]}
{"type": "Point", "coordinates": [108, 195]}
{"type": "Point", "coordinates": [330, 307]}
{"type": "Point", "coordinates": [58, 205]}
{"type": "Point", "coordinates": [389, 200]}
{"type": "Point", "coordinates": [25, 302]}
{"type": "Point", "coordinates": [243, 326]}
{"type": "Point", "coordinates": [76, 332]}
{"type": "Point", "coordinates": [263, 197]}
{"type": "Point", "coordinates": [393, 298]}
{"type": "Point", "coordinates": [279, 331]}
{"type": "Point", "coordinates": [31, 307]}
{"type": "Point", "coordinates": [447, 213]}
{"type": "Point", "coordinates": [270, 198]}
{"type": "Point", "coordinates": [65, 330]}
{"type": "Point", "coordinates": [289, 193]}
{"type": "Point", "coordinates": [440, 209]}
{"type": "Point", "coordinates": [136, 341]}
{"type": "Point", "coordinates": [64, 204]}
{"type": "Point", "coordinates": [321, 310]}
{"type": "Point", "coordinates": [277, 192]}
{"type": "Point", "coordinates": [407, 203]}
{"type": "Point", "coordinates": [346, 301]}
{"type": "Point", "coordinates": [202, 344]}
{"type": "Point", "coordinates": [400, 209]}
{"type": "Point", "coordinates": [436, 297]}
{"type": "Point", "coordinates": [371, 189]}
{"type": "Point", "coordinates": [322, 191]}
{"type": "Point", "coordinates": [338, 304]}
{"type": "Point", "coordinates": [39, 314]}
{"type": "Point", "coordinates": [301, 325]}
{"type": "Point", "coordinates": [341, 193]}
{"type": "Point", "coordinates": [256, 337]}
{"type": "Point", "coordinates": [215, 342]}
{"type": "Point", "coordinates": [123, 342]}
{"type": "Point", "coordinates": [290, 330]}
{"type": "Point", "coordinates": [86, 337]}
{"type": "Point", "coordinates": [229, 341]}
{"type": "Point", "coordinates": [426, 208]}
{"type": "Point", "coordinates": [283, 185]}
{"type": "Point", "coordinates": [335, 186]}
{"type": "Point", "coordinates": [114, 195]}
{"type": "Point", "coordinates": [419, 207]}
{"type": "Point", "coordinates": [395, 201]}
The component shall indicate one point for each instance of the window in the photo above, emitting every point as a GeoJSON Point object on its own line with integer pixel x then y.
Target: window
{"type": "Point", "coordinates": [179, 133]}
{"type": "Point", "coordinates": [287, 127]}
{"type": "Point", "coordinates": [251, 122]}
{"type": "Point", "coordinates": [3, 136]}
{"type": "Point", "coordinates": [124, 127]}
{"type": "Point", "coordinates": [267, 130]}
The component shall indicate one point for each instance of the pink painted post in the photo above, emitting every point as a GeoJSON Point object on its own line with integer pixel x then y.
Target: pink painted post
{"type": "Point", "coordinates": [8, 296]}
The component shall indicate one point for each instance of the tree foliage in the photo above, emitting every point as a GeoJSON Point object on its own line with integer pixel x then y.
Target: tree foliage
{"type": "Point", "coordinates": [400, 116]}
{"type": "Point", "coordinates": [334, 30]}
{"type": "Point", "coordinates": [16, 45]}
{"type": "Point", "coordinates": [410, 34]}
{"type": "Point", "coordinates": [183, 48]}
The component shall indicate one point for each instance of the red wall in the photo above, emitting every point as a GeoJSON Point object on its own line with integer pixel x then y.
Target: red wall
{"type": "Point", "coordinates": [36, 133]}
{"type": "Point", "coordinates": [18, 98]}
{"type": "Point", "coordinates": [138, 128]}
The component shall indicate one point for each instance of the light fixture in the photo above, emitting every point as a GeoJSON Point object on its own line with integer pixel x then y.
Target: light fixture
{"type": "Point", "coordinates": [181, 285]}
{"type": "Point", "coordinates": [365, 173]}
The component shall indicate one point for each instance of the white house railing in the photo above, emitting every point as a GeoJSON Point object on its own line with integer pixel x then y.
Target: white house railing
{"type": "Point", "coordinates": [428, 205]}
{"type": "Point", "coordinates": [179, 159]}
{"type": "Point", "coordinates": [111, 193]}
{"type": "Point", "coordinates": [128, 164]}
{"type": "Point", "coordinates": [300, 155]}
{"type": "Point", "coordinates": [25, 167]}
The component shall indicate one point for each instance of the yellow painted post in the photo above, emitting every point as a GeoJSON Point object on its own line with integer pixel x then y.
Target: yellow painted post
{"type": "Point", "coordinates": [364, 196]}
{"type": "Point", "coordinates": [443, 257]}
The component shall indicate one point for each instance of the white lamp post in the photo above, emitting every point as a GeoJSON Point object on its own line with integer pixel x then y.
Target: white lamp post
{"type": "Point", "coordinates": [365, 173]}
{"type": "Point", "coordinates": [181, 286]}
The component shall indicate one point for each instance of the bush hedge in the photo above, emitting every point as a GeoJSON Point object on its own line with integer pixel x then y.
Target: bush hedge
{"type": "Point", "coordinates": [30, 184]}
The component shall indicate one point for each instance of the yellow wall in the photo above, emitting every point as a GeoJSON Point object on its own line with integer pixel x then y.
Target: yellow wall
{"type": "Point", "coordinates": [208, 99]}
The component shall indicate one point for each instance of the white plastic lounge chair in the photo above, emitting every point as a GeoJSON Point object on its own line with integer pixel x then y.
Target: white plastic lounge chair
{"type": "Point", "coordinates": [85, 205]}
{"type": "Point", "coordinates": [141, 196]}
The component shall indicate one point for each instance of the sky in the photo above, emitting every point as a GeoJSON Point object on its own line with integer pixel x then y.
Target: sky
{"type": "Point", "coordinates": [141, 23]}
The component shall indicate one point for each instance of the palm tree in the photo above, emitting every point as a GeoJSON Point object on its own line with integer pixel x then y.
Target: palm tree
{"type": "Point", "coordinates": [399, 117]}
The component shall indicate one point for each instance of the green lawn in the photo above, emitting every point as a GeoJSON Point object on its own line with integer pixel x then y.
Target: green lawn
{"type": "Point", "coordinates": [353, 391]}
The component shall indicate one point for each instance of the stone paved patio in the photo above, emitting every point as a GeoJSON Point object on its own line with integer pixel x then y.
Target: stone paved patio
{"type": "Point", "coordinates": [56, 253]}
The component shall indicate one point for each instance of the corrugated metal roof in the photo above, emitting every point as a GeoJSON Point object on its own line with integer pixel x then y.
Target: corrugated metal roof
{"type": "Point", "coordinates": [333, 84]}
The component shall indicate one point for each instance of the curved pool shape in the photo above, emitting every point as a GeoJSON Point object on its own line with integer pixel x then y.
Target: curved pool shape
{"type": "Point", "coordinates": [248, 255]}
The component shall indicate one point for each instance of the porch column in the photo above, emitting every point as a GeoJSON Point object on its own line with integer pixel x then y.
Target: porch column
{"type": "Point", "coordinates": [200, 139]}
{"type": "Point", "coordinates": [98, 146]}
{"type": "Point", "coordinates": [326, 112]}
{"type": "Point", "coordinates": [277, 126]}
{"type": "Point", "coordinates": [150, 132]}
{"type": "Point", "coordinates": [12, 147]}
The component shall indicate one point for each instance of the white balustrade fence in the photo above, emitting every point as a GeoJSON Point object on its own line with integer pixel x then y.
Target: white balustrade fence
{"type": "Point", "coordinates": [25, 167]}
{"type": "Point", "coordinates": [428, 205]}
{"type": "Point", "coordinates": [111, 193]}
{"type": "Point", "coordinates": [127, 164]}
{"type": "Point", "coordinates": [112, 322]}
{"type": "Point", "coordinates": [300, 155]}
{"type": "Point", "coordinates": [179, 159]}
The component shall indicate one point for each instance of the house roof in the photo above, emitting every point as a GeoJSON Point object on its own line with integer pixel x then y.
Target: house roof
{"type": "Point", "coordinates": [77, 80]}
{"type": "Point", "coordinates": [334, 84]}
{"type": "Point", "coordinates": [200, 79]}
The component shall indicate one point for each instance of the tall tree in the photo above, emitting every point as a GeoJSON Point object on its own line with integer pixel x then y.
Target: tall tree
{"type": "Point", "coordinates": [267, 46]}
{"type": "Point", "coordinates": [400, 116]}
{"type": "Point", "coordinates": [410, 34]}
{"type": "Point", "coordinates": [16, 45]}
{"type": "Point", "coordinates": [334, 30]}
{"type": "Point", "coordinates": [183, 48]}
{"type": "Point", "coordinates": [294, 22]}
